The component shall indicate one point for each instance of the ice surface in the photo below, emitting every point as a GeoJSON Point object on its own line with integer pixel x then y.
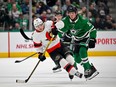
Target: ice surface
{"type": "Point", "coordinates": [44, 77]}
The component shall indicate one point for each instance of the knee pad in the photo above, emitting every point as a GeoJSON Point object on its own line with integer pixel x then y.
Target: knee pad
{"type": "Point", "coordinates": [58, 58]}
{"type": "Point", "coordinates": [67, 51]}
{"type": "Point", "coordinates": [67, 66]}
{"type": "Point", "coordinates": [70, 59]}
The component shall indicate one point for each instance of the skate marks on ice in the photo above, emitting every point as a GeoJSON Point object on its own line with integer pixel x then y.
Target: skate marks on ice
{"type": "Point", "coordinates": [57, 80]}
{"type": "Point", "coordinates": [44, 77]}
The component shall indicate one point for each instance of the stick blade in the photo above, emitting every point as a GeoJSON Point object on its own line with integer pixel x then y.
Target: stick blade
{"type": "Point", "coordinates": [21, 81]}
{"type": "Point", "coordinates": [24, 35]}
{"type": "Point", "coordinates": [17, 61]}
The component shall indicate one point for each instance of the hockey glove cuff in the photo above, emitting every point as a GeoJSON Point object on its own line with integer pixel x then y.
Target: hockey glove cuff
{"type": "Point", "coordinates": [92, 43]}
{"type": "Point", "coordinates": [54, 30]}
{"type": "Point", "coordinates": [41, 57]}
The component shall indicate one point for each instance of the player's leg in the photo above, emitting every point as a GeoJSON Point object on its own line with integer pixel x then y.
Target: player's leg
{"type": "Point", "coordinates": [77, 58]}
{"type": "Point", "coordinates": [89, 70]}
{"type": "Point", "coordinates": [69, 68]}
{"type": "Point", "coordinates": [69, 58]}
{"type": "Point", "coordinates": [57, 68]}
{"type": "Point", "coordinates": [65, 64]}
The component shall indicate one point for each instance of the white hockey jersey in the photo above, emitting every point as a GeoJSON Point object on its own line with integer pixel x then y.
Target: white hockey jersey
{"type": "Point", "coordinates": [41, 39]}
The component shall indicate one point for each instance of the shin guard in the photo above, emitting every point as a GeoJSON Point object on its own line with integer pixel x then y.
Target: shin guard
{"type": "Point", "coordinates": [68, 67]}
{"type": "Point", "coordinates": [70, 59]}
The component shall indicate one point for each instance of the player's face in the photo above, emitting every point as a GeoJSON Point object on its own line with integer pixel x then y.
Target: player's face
{"type": "Point", "coordinates": [58, 17]}
{"type": "Point", "coordinates": [40, 27]}
{"type": "Point", "coordinates": [72, 15]}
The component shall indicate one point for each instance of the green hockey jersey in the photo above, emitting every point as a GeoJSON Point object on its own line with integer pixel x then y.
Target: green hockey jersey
{"type": "Point", "coordinates": [80, 28]}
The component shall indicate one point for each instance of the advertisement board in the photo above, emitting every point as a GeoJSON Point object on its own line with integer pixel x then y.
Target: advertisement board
{"type": "Point", "coordinates": [13, 44]}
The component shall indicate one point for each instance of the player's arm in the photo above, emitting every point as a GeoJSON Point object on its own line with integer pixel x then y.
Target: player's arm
{"type": "Point", "coordinates": [39, 47]}
{"type": "Point", "coordinates": [56, 27]}
{"type": "Point", "coordinates": [93, 35]}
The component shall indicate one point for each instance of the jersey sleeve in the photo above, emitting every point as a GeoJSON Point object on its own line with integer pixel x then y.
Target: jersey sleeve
{"type": "Point", "coordinates": [90, 28]}
{"type": "Point", "coordinates": [93, 33]}
{"type": "Point", "coordinates": [48, 25]}
{"type": "Point", "coordinates": [37, 43]}
{"type": "Point", "coordinates": [60, 25]}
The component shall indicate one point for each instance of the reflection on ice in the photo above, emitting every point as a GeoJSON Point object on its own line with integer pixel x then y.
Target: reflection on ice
{"type": "Point", "coordinates": [44, 77]}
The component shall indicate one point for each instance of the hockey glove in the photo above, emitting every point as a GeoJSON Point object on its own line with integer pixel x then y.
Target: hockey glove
{"type": "Point", "coordinates": [54, 30]}
{"type": "Point", "coordinates": [66, 39]}
{"type": "Point", "coordinates": [92, 43]}
{"type": "Point", "coordinates": [41, 57]}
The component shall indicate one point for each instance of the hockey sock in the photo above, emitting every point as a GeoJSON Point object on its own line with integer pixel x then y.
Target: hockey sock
{"type": "Point", "coordinates": [77, 58]}
{"type": "Point", "coordinates": [84, 57]}
{"type": "Point", "coordinates": [68, 67]}
{"type": "Point", "coordinates": [70, 59]}
{"type": "Point", "coordinates": [86, 63]}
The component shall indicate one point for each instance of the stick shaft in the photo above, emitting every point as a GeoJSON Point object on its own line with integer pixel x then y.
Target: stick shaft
{"type": "Point", "coordinates": [18, 61]}
{"type": "Point", "coordinates": [48, 44]}
{"type": "Point", "coordinates": [32, 71]}
{"type": "Point", "coordinates": [71, 43]}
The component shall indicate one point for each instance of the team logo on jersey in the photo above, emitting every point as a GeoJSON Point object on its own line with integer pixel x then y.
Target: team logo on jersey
{"type": "Point", "coordinates": [73, 31]}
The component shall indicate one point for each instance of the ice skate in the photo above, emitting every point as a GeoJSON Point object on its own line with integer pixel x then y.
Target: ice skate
{"type": "Point", "coordinates": [91, 73]}
{"type": "Point", "coordinates": [78, 74]}
{"type": "Point", "coordinates": [71, 76]}
{"type": "Point", "coordinates": [57, 69]}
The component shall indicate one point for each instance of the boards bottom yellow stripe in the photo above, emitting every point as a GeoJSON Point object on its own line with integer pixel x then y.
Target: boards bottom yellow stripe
{"type": "Point", "coordinates": [25, 54]}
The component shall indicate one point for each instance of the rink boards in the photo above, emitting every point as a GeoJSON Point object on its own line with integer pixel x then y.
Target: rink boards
{"type": "Point", "coordinates": [12, 44]}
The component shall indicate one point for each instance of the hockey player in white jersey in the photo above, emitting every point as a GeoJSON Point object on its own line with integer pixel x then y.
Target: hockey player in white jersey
{"type": "Point", "coordinates": [57, 51]}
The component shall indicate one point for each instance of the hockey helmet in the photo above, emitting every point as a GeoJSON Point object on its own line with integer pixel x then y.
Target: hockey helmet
{"type": "Point", "coordinates": [71, 8]}
{"type": "Point", "coordinates": [58, 12]}
{"type": "Point", "coordinates": [37, 22]}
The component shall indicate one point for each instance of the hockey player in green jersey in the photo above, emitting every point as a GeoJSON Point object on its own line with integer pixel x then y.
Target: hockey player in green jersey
{"type": "Point", "coordinates": [81, 35]}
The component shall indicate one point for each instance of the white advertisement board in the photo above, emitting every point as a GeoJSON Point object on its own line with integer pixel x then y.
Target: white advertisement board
{"type": "Point", "coordinates": [13, 42]}
{"type": "Point", "coordinates": [106, 41]}
{"type": "Point", "coordinates": [19, 44]}
{"type": "Point", "coordinates": [4, 42]}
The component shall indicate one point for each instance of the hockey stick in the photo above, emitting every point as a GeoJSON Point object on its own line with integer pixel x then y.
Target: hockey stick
{"type": "Point", "coordinates": [71, 43]}
{"type": "Point", "coordinates": [25, 81]}
{"type": "Point", "coordinates": [24, 35]}
{"type": "Point", "coordinates": [18, 61]}
{"type": "Point", "coordinates": [27, 38]}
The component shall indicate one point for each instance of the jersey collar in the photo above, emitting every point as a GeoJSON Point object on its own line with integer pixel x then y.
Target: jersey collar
{"type": "Point", "coordinates": [75, 20]}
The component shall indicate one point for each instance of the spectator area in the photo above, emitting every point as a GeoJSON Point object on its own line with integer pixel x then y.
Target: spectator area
{"type": "Point", "coordinates": [14, 14]}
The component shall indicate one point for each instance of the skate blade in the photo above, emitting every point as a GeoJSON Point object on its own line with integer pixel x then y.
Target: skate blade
{"type": "Point", "coordinates": [94, 75]}
{"type": "Point", "coordinates": [55, 71]}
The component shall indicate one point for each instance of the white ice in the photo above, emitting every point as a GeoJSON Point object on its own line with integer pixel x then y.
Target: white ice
{"type": "Point", "coordinates": [44, 77]}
